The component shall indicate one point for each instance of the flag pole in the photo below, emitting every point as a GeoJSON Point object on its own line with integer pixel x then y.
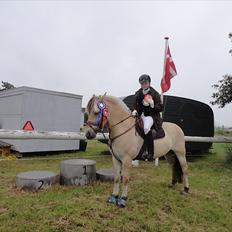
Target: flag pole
{"type": "Point", "coordinates": [162, 94]}
{"type": "Point", "coordinates": [165, 52]}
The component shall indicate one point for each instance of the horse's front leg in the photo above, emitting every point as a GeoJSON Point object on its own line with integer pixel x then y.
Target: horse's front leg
{"type": "Point", "coordinates": [117, 166]}
{"type": "Point", "coordinates": [126, 167]}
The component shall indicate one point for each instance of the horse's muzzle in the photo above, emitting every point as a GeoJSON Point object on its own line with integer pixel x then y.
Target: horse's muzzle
{"type": "Point", "coordinates": [90, 134]}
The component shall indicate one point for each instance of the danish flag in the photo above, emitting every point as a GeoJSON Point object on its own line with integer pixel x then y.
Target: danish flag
{"type": "Point", "coordinates": [169, 71]}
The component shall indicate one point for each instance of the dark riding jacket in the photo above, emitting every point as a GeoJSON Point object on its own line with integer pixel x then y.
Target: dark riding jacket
{"type": "Point", "coordinates": [147, 110]}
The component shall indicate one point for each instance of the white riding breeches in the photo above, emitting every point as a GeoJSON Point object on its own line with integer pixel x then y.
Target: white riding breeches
{"type": "Point", "coordinates": [148, 122]}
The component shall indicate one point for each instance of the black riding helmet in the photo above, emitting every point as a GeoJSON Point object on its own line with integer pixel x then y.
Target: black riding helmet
{"type": "Point", "coordinates": [144, 78]}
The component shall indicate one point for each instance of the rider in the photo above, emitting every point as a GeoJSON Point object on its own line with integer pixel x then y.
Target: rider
{"type": "Point", "coordinates": [148, 105]}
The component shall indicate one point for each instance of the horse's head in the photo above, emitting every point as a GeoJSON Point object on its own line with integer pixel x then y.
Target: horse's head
{"type": "Point", "coordinates": [97, 116]}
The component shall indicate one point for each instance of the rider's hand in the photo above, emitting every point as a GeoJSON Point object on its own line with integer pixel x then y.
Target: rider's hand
{"type": "Point", "coordinates": [145, 102]}
{"type": "Point", "coordinates": [134, 113]}
{"type": "Point", "coordinates": [151, 102]}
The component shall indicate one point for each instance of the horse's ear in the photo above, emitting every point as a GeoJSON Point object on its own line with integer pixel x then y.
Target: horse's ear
{"type": "Point", "coordinates": [102, 97]}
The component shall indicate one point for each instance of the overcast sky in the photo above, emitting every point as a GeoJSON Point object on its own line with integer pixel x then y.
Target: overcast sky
{"type": "Point", "coordinates": [87, 47]}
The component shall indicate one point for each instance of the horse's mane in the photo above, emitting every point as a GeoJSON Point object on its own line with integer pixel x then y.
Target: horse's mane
{"type": "Point", "coordinates": [90, 104]}
{"type": "Point", "coordinates": [118, 101]}
{"type": "Point", "coordinates": [112, 99]}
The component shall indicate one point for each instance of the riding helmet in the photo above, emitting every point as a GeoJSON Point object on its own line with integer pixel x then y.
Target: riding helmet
{"type": "Point", "coordinates": [144, 78]}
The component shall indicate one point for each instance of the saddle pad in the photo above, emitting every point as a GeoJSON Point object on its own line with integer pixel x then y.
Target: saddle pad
{"type": "Point", "coordinates": [156, 134]}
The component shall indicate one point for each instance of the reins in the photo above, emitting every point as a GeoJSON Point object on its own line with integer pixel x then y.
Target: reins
{"type": "Point", "coordinates": [121, 121]}
{"type": "Point", "coordinates": [117, 136]}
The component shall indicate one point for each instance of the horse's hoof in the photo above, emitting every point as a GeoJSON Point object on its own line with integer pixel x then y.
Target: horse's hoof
{"type": "Point", "coordinates": [112, 199]}
{"type": "Point", "coordinates": [122, 202]}
{"type": "Point", "coordinates": [185, 191]}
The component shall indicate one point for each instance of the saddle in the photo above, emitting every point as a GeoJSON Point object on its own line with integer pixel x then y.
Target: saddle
{"type": "Point", "coordinates": [157, 134]}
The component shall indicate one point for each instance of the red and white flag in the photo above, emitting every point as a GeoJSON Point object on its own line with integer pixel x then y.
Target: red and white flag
{"type": "Point", "coordinates": [169, 71]}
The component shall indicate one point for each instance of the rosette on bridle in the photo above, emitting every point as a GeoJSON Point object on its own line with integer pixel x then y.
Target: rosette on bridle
{"type": "Point", "coordinates": [102, 115]}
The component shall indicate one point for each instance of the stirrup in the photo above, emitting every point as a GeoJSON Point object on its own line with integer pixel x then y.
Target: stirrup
{"type": "Point", "coordinates": [150, 157]}
{"type": "Point", "coordinates": [144, 156]}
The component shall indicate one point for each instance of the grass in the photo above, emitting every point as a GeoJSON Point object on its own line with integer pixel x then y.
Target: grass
{"type": "Point", "coordinates": [151, 205]}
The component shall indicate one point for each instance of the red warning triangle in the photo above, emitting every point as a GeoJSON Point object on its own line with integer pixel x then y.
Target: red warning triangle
{"type": "Point", "coordinates": [28, 126]}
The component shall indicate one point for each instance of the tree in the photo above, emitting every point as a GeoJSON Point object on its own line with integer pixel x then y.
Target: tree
{"type": "Point", "coordinates": [6, 85]}
{"type": "Point", "coordinates": [223, 95]}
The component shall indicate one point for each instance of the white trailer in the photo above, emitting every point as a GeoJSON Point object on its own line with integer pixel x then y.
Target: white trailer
{"type": "Point", "coordinates": [46, 110]}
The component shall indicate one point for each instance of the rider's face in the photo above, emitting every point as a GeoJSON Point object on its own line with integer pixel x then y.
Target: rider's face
{"type": "Point", "coordinates": [145, 84]}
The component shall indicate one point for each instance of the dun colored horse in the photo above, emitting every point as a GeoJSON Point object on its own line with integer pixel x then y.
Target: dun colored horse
{"type": "Point", "coordinates": [125, 143]}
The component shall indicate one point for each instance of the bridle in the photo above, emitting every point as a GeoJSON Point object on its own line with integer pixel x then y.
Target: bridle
{"type": "Point", "coordinates": [102, 119]}
{"type": "Point", "coordinates": [101, 123]}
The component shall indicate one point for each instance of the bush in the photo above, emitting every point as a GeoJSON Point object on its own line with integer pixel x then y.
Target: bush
{"type": "Point", "coordinates": [219, 130]}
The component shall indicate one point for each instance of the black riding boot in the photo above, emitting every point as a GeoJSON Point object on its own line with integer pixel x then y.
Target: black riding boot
{"type": "Point", "coordinates": [150, 145]}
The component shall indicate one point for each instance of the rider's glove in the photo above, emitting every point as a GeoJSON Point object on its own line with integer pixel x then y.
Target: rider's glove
{"type": "Point", "coordinates": [134, 113]}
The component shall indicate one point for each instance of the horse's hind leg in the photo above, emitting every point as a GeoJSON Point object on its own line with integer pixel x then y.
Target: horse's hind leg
{"type": "Point", "coordinates": [117, 166]}
{"type": "Point", "coordinates": [184, 166]}
{"type": "Point", "coordinates": [176, 168]}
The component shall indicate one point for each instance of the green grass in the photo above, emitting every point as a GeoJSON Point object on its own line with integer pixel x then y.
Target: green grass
{"type": "Point", "coordinates": [151, 205]}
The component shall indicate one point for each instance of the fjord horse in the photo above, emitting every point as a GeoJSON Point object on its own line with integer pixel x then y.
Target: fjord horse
{"type": "Point", "coordinates": [125, 143]}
